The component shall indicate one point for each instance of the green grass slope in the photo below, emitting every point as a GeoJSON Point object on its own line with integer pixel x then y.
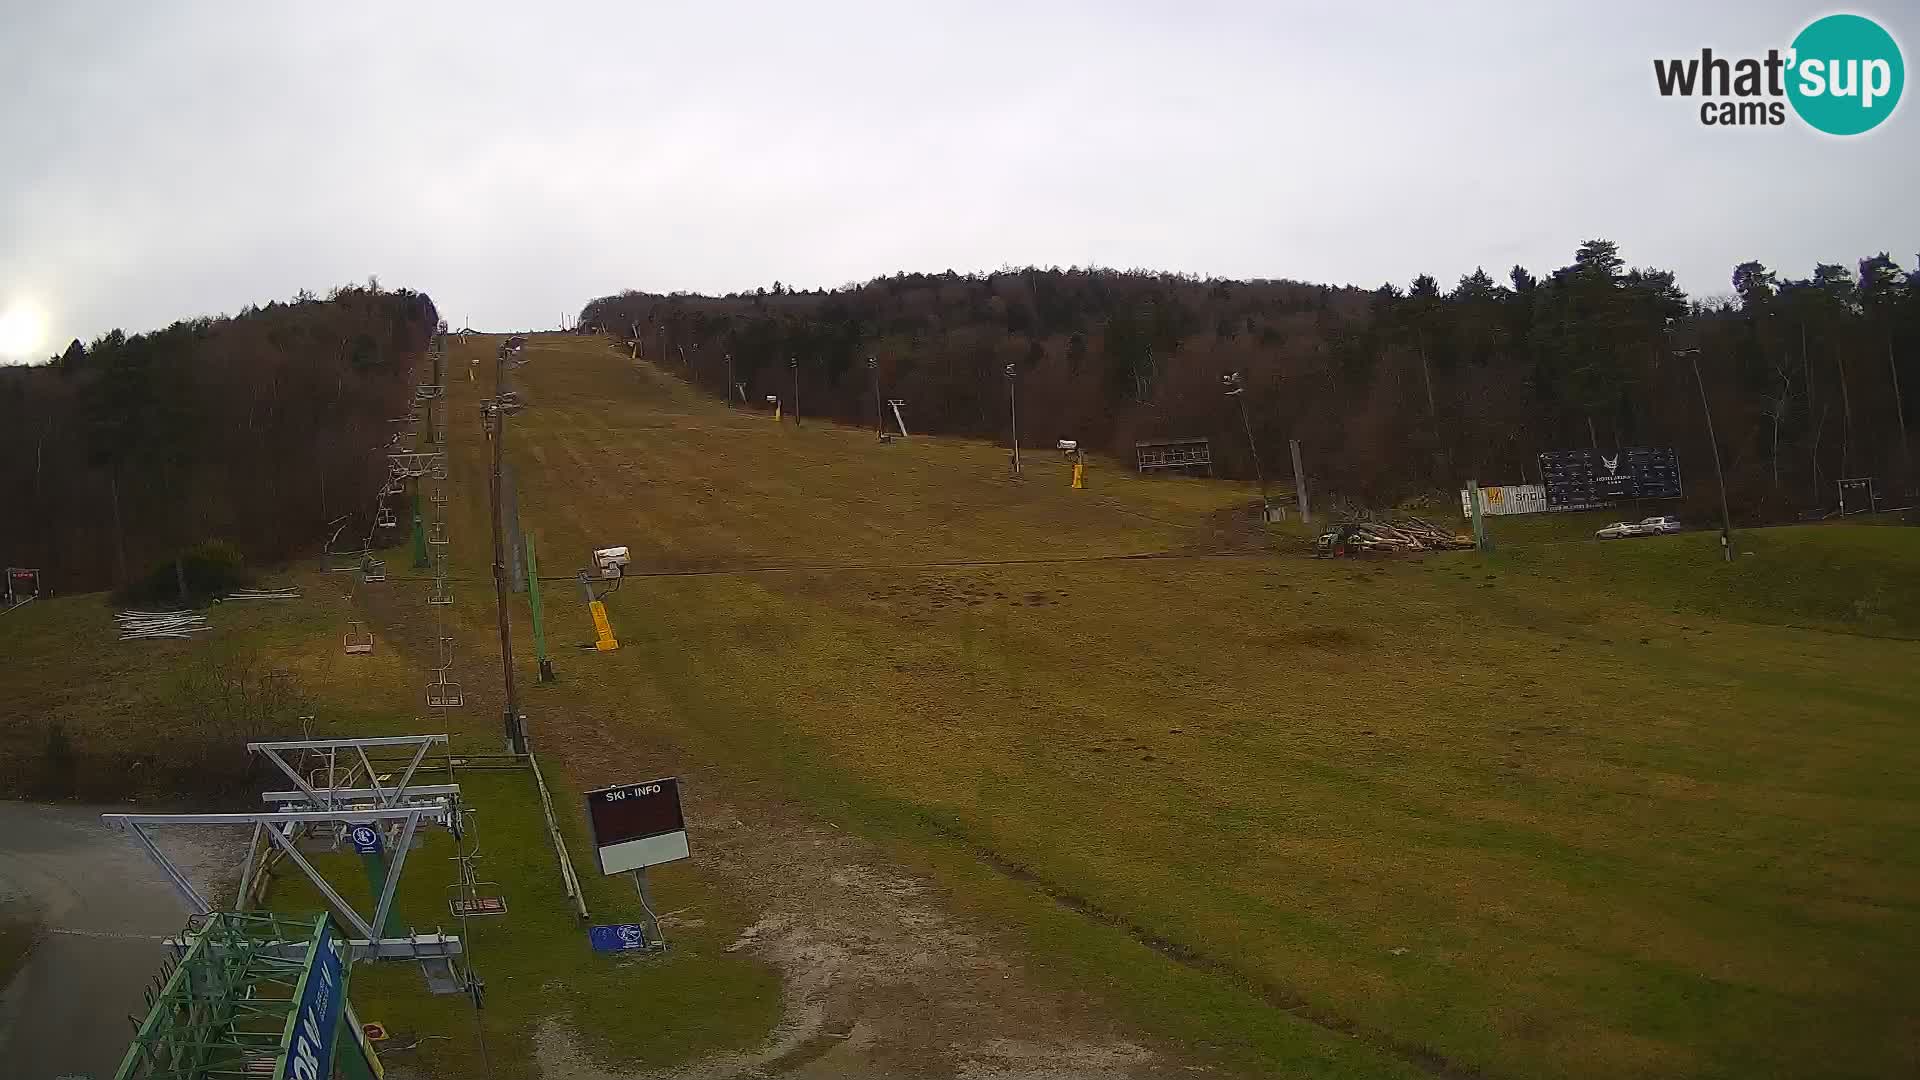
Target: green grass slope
{"type": "Point", "coordinates": [1575, 810]}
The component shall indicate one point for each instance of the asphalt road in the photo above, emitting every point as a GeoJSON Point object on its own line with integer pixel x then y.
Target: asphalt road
{"type": "Point", "coordinates": [102, 910]}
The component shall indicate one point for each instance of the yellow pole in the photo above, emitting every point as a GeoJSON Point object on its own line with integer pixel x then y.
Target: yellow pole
{"type": "Point", "coordinates": [603, 630]}
{"type": "Point", "coordinates": [1079, 473]}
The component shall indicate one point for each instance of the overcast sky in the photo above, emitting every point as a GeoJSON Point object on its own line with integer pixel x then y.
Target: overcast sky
{"type": "Point", "coordinates": [159, 161]}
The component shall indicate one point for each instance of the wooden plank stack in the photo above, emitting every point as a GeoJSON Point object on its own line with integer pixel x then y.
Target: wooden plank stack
{"type": "Point", "coordinates": [1411, 534]}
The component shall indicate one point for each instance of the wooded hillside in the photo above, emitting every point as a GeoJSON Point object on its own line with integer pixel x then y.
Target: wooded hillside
{"type": "Point", "coordinates": [255, 429]}
{"type": "Point", "coordinates": [1392, 393]}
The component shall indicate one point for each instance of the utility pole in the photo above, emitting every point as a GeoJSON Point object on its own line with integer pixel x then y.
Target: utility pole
{"type": "Point", "coordinates": [1238, 391]}
{"type": "Point", "coordinates": [1299, 480]}
{"type": "Point", "coordinates": [794, 363]}
{"type": "Point", "coordinates": [729, 394]}
{"type": "Point", "coordinates": [1013, 414]}
{"type": "Point", "coordinates": [498, 408]}
{"type": "Point", "coordinates": [1726, 518]}
{"type": "Point", "coordinates": [873, 369]}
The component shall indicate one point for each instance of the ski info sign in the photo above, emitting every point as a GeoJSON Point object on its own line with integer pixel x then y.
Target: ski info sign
{"type": "Point", "coordinates": [637, 825]}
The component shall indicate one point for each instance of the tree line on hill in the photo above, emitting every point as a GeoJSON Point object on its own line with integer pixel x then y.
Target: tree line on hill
{"type": "Point", "coordinates": [254, 430]}
{"type": "Point", "coordinates": [1392, 393]}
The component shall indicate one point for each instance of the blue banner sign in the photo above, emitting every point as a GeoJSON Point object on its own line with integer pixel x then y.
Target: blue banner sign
{"type": "Point", "coordinates": [366, 839]}
{"type": "Point", "coordinates": [619, 938]}
{"type": "Point", "coordinates": [310, 1049]}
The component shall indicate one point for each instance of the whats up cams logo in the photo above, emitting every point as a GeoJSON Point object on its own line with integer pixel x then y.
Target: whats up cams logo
{"type": "Point", "coordinates": [1842, 75]}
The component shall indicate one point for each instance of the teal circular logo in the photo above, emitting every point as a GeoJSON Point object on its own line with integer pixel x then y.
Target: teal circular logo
{"type": "Point", "coordinates": [1846, 75]}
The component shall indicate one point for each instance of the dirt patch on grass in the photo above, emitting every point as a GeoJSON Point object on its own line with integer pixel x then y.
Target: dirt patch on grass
{"type": "Point", "coordinates": [879, 979]}
{"type": "Point", "coordinates": [1333, 639]}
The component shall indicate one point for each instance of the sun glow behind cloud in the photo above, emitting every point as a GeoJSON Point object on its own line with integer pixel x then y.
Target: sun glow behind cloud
{"type": "Point", "coordinates": [23, 330]}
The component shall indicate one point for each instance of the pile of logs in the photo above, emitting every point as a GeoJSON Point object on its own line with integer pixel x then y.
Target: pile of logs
{"type": "Point", "coordinates": [143, 625]}
{"type": "Point", "coordinates": [1409, 534]}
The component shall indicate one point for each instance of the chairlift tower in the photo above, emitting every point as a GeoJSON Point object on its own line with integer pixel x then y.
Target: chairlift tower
{"type": "Point", "coordinates": [497, 409]}
{"type": "Point", "coordinates": [251, 993]}
{"type": "Point", "coordinates": [243, 996]}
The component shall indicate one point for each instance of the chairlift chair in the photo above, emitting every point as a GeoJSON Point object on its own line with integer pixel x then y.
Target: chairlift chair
{"type": "Point", "coordinates": [439, 494]}
{"type": "Point", "coordinates": [441, 595]}
{"type": "Point", "coordinates": [466, 897]}
{"type": "Point", "coordinates": [346, 562]}
{"type": "Point", "coordinates": [383, 518]}
{"type": "Point", "coordinates": [359, 640]}
{"type": "Point", "coordinates": [373, 570]}
{"type": "Point", "coordinates": [437, 533]}
{"type": "Point", "coordinates": [442, 692]}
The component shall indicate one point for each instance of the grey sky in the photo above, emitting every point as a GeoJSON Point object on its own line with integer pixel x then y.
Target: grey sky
{"type": "Point", "coordinates": [169, 160]}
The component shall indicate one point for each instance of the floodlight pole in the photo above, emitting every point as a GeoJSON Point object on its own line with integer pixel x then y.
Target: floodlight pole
{"type": "Point", "coordinates": [1013, 414]}
{"type": "Point", "coordinates": [879, 407]}
{"type": "Point", "coordinates": [1238, 393]}
{"type": "Point", "coordinates": [516, 735]}
{"type": "Point", "coordinates": [1726, 518]}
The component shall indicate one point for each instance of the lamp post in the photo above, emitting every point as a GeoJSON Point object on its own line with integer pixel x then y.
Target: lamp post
{"type": "Point", "coordinates": [873, 369]}
{"type": "Point", "coordinates": [1013, 414]}
{"type": "Point", "coordinates": [1236, 389]}
{"type": "Point", "coordinates": [1726, 518]}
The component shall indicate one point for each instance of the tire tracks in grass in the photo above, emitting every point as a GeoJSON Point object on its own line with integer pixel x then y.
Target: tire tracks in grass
{"type": "Point", "coordinates": [1284, 999]}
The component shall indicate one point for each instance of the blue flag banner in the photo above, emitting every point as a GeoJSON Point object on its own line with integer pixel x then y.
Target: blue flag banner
{"type": "Point", "coordinates": [310, 1050]}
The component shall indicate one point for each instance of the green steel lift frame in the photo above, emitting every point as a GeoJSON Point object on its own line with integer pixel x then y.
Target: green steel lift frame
{"type": "Point", "coordinates": [227, 1006]}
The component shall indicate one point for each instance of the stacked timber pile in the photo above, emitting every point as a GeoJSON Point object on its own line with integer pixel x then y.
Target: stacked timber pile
{"type": "Point", "coordinates": [1371, 537]}
{"type": "Point", "coordinates": [143, 625]}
